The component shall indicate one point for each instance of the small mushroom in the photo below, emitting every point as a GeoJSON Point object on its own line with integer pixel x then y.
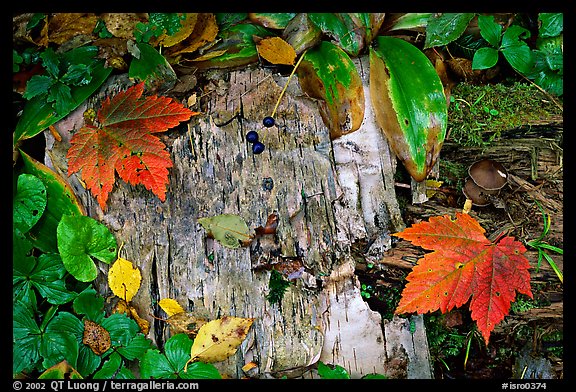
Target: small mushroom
{"type": "Point", "coordinates": [486, 179]}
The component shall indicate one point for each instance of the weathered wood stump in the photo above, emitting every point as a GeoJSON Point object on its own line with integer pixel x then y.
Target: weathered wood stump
{"type": "Point", "coordinates": [327, 195]}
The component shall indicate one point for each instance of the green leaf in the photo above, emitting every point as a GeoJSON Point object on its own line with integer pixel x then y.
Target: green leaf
{"type": "Point", "coordinates": [230, 230]}
{"type": "Point", "coordinates": [77, 75]}
{"type": "Point", "coordinates": [332, 372]}
{"type": "Point", "coordinates": [485, 58]}
{"type": "Point", "coordinates": [109, 368]}
{"type": "Point", "coordinates": [29, 203]}
{"type": "Point", "coordinates": [200, 370]}
{"type": "Point", "coordinates": [26, 338]}
{"type": "Point", "coordinates": [135, 347]}
{"type": "Point", "coordinates": [90, 303]}
{"type": "Point", "coordinates": [38, 116]}
{"type": "Point", "coordinates": [151, 67]}
{"type": "Point", "coordinates": [327, 73]}
{"type": "Point", "coordinates": [374, 376]}
{"type": "Point", "coordinates": [37, 85]}
{"type": "Point", "coordinates": [409, 103]}
{"type": "Point", "coordinates": [341, 28]}
{"type": "Point", "coordinates": [122, 329]}
{"type": "Point", "coordinates": [156, 365]}
{"type": "Point", "coordinates": [519, 56]}
{"type": "Point", "coordinates": [490, 30]}
{"type": "Point", "coordinates": [177, 351]}
{"type": "Point", "coordinates": [551, 24]}
{"type": "Point", "coordinates": [57, 346]}
{"type": "Point", "coordinates": [79, 239]}
{"type": "Point", "coordinates": [60, 200]}
{"type": "Point", "coordinates": [51, 62]}
{"type": "Point", "coordinates": [445, 28]}
{"type": "Point", "coordinates": [46, 276]}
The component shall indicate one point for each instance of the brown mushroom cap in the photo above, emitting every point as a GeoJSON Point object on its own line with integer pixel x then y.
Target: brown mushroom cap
{"type": "Point", "coordinates": [488, 174]}
{"type": "Point", "coordinates": [480, 197]}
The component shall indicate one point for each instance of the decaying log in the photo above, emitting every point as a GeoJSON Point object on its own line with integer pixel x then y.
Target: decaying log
{"type": "Point", "coordinates": [326, 194]}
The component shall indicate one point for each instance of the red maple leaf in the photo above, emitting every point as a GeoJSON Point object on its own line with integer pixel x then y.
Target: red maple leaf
{"type": "Point", "coordinates": [125, 143]}
{"type": "Point", "coordinates": [464, 264]}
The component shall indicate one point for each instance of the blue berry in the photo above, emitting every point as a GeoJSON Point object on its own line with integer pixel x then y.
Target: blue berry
{"type": "Point", "coordinates": [257, 148]}
{"type": "Point", "coordinates": [252, 137]}
{"type": "Point", "coordinates": [268, 122]}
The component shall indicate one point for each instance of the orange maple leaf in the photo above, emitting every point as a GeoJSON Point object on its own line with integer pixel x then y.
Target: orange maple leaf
{"type": "Point", "coordinates": [125, 143]}
{"type": "Point", "coordinates": [464, 265]}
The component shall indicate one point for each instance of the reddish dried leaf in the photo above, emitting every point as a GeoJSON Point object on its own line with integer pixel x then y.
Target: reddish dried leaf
{"type": "Point", "coordinates": [125, 143]}
{"type": "Point", "coordinates": [464, 264]}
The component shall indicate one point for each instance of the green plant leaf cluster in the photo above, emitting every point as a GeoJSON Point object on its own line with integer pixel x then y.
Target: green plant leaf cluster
{"type": "Point", "coordinates": [159, 23]}
{"type": "Point", "coordinates": [172, 363]}
{"type": "Point", "coordinates": [337, 372]}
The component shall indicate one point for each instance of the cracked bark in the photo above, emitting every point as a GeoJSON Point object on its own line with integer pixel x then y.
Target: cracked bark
{"type": "Point", "coordinates": [327, 194]}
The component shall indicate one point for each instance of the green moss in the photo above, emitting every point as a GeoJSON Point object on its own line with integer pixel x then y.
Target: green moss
{"type": "Point", "coordinates": [479, 113]}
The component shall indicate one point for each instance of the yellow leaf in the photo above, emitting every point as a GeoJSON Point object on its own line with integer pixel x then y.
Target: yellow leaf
{"type": "Point", "coordinates": [170, 306]}
{"type": "Point", "coordinates": [432, 186]}
{"type": "Point", "coordinates": [276, 51]}
{"type": "Point", "coordinates": [219, 339]}
{"type": "Point", "coordinates": [124, 279]}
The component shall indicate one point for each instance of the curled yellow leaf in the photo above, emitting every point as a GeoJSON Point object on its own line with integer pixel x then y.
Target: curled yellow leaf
{"type": "Point", "coordinates": [124, 279]}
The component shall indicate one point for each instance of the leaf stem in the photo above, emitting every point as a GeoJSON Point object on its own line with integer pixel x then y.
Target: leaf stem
{"type": "Point", "coordinates": [288, 82]}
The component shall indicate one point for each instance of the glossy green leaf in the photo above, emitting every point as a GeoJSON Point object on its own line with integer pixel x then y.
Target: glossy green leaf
{"type": "Point", "coordinates": [342, 29]}
{"type": "Point", "coordinates": [26, 332]}
{"type": "Point", "coordinates": [228, 229]}
{"type": "Point", "coordinates": [328, 74]}
{"type": "Point", "coordinates": [490, 30]}
{"type": "Point", "coordinates": [29, 203]}
{"type": "Point", "coordinates": [45, 274]}
{"type": "Point", "coordinates": [81, 238]}
{"type": "Point", "coordinates": [445, 28]}
{"type": "Point", "coordinates": [515, 50]}
{"type": "Point", "coordinates": [485, 58]}
{"type": "Point", "coordinates": [409, 103]}
{"type": "Point", "coordinates": [60, 200]}
{"type": "Point", "coordinates": [37, 115]}
{"type": "Point", "coordinates": [152, 68]}
{"type": "Point", "coordinates": [60, 340]}
{"type": "Point", "coordinates": [552, 24]}
{"type": "Point", "coordinates": [335, 372]}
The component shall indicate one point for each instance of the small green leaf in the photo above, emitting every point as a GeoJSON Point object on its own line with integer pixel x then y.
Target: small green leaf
{"type": "Point", "coordinates": [110, 367]}
{"type": "Point", "coordinates": [276, 20]}
{"type": "Point", "coordinates": [551, 24]}
{"type": "Point", "coordinates": [519, 56]}
{"type": "Point", "coordinates": [490, 30]}
{"type": "Point", "coordinates": [79, 239]}
{"type": "Point", "coordinates": [332, 372]}
{"type": "Point", "coordinates": [90, 303]}
{"type": "Point", "coordinates": [411, 20]}
{"type": "Point", "coordinates": [122, 329]}
{"type": "Point", "coordinates": [200, 370]}
{"type": "Point", "coordinates": [136, 347]}
{"type": "Point", "coordinates": [60, 200]}
{"type": "Point", "coordinates": [29, 203]}
{"type": "Point", "coordinates": [230, 230]}
{"type": "Point", "coordinates": [445, 28]}
{"type": "Point", "coordinates": [37, 85]}
{"type": "Point", "coordinates": [485, 58]}
{"type": "Point", "coordinates": [155, 365]}
{"type": "Point", "coordinates": [152, 68]}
